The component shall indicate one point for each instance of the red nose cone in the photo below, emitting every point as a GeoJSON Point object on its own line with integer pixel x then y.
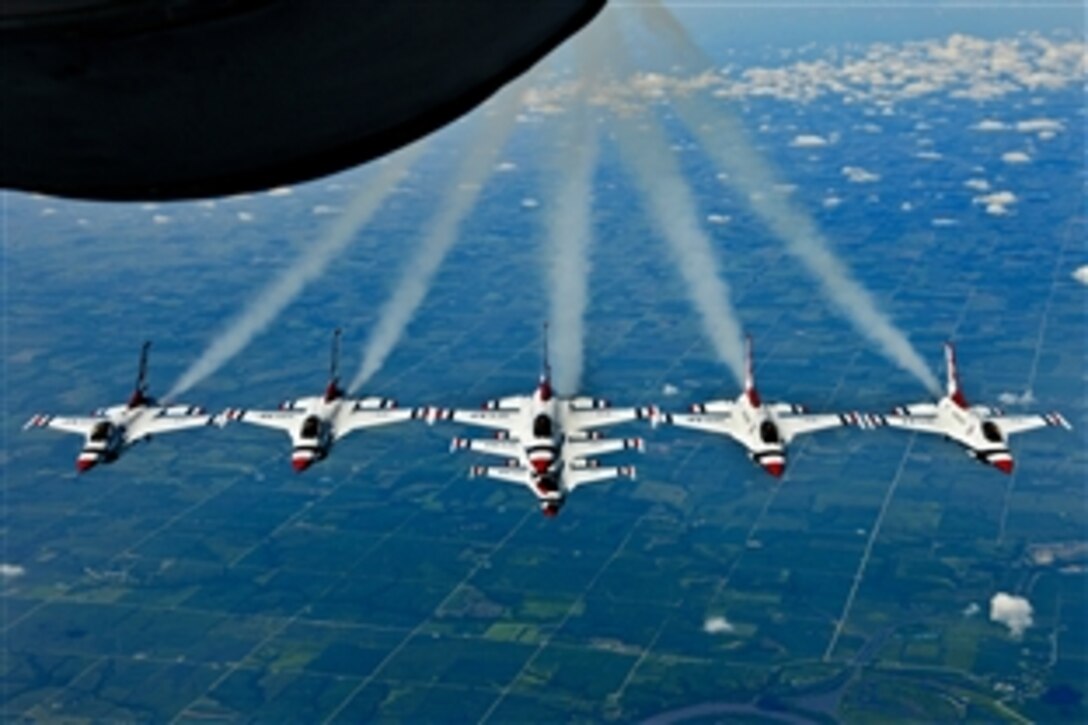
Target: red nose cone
{"type": "Point", "coordinates": [84, 464]}
{"type": "Point", "coordinates": [540, 465]}
{"type": "Point", "coordinates": [300, 464]}
{"type": "Point", "coordinates": [1004, 465]}
{"type": "Point", "coordinates": [775, 469]}
{"type": "Point", "coordinates": [549, 511]}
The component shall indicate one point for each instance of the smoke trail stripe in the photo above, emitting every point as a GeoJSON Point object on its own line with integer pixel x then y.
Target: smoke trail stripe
{"type": "Point", "coordinates": [570, 235]}
{"type": "Point", "coordinates": [464, 189]}
{"type": "Point", "coordinates": [274, 298]}
{"type": "Point", "coordinates": [725, 140]}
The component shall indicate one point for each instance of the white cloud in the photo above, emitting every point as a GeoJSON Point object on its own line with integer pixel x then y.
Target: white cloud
{"type": "Point", "coordinates": [718, 218]}
{"type": "Point", "coordinates": [997, 203]}
{"type": "Point", "coordinates": [1012, 611]}
{"type": "Point", "coordinates": [1024, 398]}
{"type": "Point", "coordinates": [48, 211]}
{"type": "Point", "coordinates": [1081, 274]}
{"type": "Point", "coordinates": [808, 141]}
{"type": "Point", "coordinates": [206, 204]}
{"type": "Point", "coordinates": [281, 191]}
{"type": "Point", "coordinates": [161, 219]}
{"type": "Point", "coordinates": [929, 155]}
{"type": "Point", "coordinates": [10, 571]}
{"type": "Point", "coordinates": [245, 216]}
{"type": "Point", "coordinates": [669, 390]}
{"type": "Point", "coordinates": [971, 609]}
{"type": "Point", "coordinates": [998, 197]}
{"type": "Point", "coordinates": [944, 222]}
{"type": "Point", "coordinates": [977, 184]}
{"type": "Point", "coordinates": [831, 202]}
{"type": "Point", "coordinates": [506, 166]}
{"type": "Point", "coordinates": [529, 203]}
{"type": "Point", "coordinates": [1015, 157]}
{"type": "Point", "coordinates": [990, 125]}
{"type": "Point", "coordinates": [906, 206]}
{"type": "Point", "coordinates": [858, 175]}
{"type": "Point", "coordinates": [1039, 125]}
{"type": "Point", "coordinates": [717, 625]}
{"type": "Point", "coordinates": [875, 76]}
{"type": "Point", "coordinates": [1046, 135]}
{"type": "Point", "coordinates": [323, 210]}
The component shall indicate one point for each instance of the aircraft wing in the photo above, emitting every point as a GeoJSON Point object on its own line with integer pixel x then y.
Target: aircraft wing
{"type": "Point", "coordinates": [285, 420]}
{"type": "Point", "coordinates": [80, 425]}
{"type": "Point", "coordinates": [506, 474]}
{"type": "Point", "coordinates": [918, 409]}
{"type": "Point", "coordinates": [359, 416]}
{"type": "Point", "coordinates": [166, 421]}
{"type": "Point", "coordinates": [575, 477]}
{"type": "Point", "coordinates": [1012, 424]}
{"type": "Point", "coordinates": [504, 448]}
{"type": "Point", "coordinates": [714, 406]}
{"type": "Point", "coordinates": [920, 423]}
{"type": "Point", "coordinates": [719, 423]}
{"type": "Point", "coordinates": [792, 426]}
{"type": "Point", "coordinates": [584, 419]}
{"type": "Point", "coordinates": [591, 449]}
{"type": "Point", "coordinates": [495, 419]}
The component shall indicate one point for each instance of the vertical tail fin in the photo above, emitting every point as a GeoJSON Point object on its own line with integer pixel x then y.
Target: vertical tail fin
{"type": "Point", "coordinates": [546, 366]}
{"type": "Point", "coordinates": [749, 374]}
{"type": "Point", "coordinates": [544, 390]}
{"type": "Point", "coordinates": [141, 376]}
{"type": "Point", "coordinates": [139, 392]}
{"type": "Point", "coordinates": [332, 390]}
{"type": "Point", "coordinates": [953, 385]}
{"type": "Point", "coordinates": [334, 357]}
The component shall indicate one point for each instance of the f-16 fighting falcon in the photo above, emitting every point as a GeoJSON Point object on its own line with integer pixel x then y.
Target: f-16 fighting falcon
{"type": "Point", "coordinates": [764, 429]}
{"type": "Point", "coordinates": [548, 441]}
{"type": "Point", "coordinates": [316, 423]}
{"type": "Point", "coordinates": [983, 431]}
{"type": "Point", "coordinates": [108, 432]}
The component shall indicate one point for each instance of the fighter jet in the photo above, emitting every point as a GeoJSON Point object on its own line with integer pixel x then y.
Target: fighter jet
{"type": "Point", "coordinates": [552, 487]}
{"type": "Point", "coordinates": [764, 429]}
{"type": "Point", "coordinates": [316, 423]}
{"type": "Point", "coordinates": [982, 430]}
{"type": "Point", "coordinates": [548, 441]}
{"type": "Point", "coordinates": [108, 432]}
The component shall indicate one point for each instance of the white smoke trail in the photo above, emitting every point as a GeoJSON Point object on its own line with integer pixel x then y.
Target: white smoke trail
{"type": "Point", "coordinates": [727, 143]}
{"type": "Point", "coordinates": [570, 235]}
{"type": "Point", "coordinates": [673, 209]}
{"type": "Point", "coordinates": [672, 206]}
{"type": "Point", "coordinates": [496, 123]}
{"type": "Point", "coordinates": [274, 298]}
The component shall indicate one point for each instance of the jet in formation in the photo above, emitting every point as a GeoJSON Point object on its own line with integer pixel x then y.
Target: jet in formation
{"type": "Point", "coordinates": [763, 429]}
{"type": "Point", "coordinates": [109, 432]}
{"type": "Point", "coordinates": [315, 423]}
{"type": "Point", "coordinates": [549, 442]}
{"type": "Point", "coordinates": [983, 431]}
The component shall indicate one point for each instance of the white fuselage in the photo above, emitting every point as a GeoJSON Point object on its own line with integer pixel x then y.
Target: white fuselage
{"type": "Point", "coordinates": [312, 439]}
{"type": "Point", "coordinates": [109, 438]}
{"type": "Point", "coordinates": [972, 429]}
{"type": "Point", "coordinates": [754, 425]}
